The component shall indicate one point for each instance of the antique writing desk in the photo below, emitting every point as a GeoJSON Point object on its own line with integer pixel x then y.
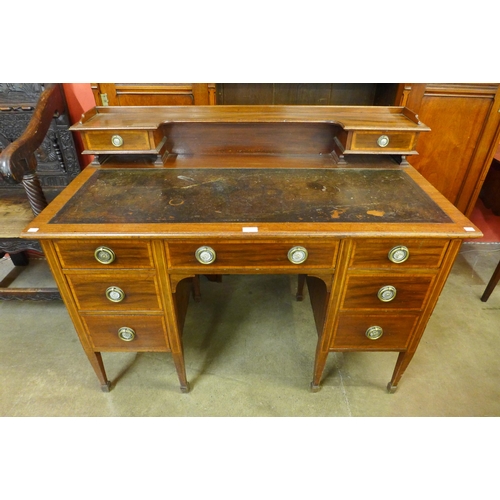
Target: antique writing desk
{"type": "Point", "coordinates": [321, 192]}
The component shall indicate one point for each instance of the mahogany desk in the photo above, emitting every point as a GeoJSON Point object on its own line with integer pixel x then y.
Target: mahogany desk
{"type": "Point", "coordinates": [322, 192]}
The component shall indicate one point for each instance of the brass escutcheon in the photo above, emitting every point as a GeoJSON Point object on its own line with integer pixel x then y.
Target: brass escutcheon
{"type": "Point", "coordinates": [398, 254]}
{"type": "Point", "coordinates": [115, 294]}
{"type": "Point", "coordinates": [104, 255]}
{"type": "Point", "coordinates": [374, 332]}
{"type": "Point", "coordinates": [126, 334]}
{"type": "Point", "coordinates": [387, 293]}
{"type": "Point", "coordinates": [205, 255]}
{"type": "Point", "coordinates": [117, 141]}
{"type": "Point", "coordinates": [297, 255]}
{"type": "Point", "coordinates": [383, 141]}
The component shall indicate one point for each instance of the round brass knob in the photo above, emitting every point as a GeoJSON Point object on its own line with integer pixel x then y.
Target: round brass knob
{"type": "Point", "coordinates": [117, 141]}
{"type": "Point", "coordinates": [387, 293]}
{"type": "Point", "coordinates": [126, 334]}
{"type": "Point", "coordinates": [205, 255]}
{"type": "Point", "coordinates": [104, 255]}
{"type": "Point", "coordinates": [383, 141]}
{"type": "Point", "coordinates": [398, 254]}
{"type": "Point", "coordinates": [115, 294]}
{"type": "Point", "coordinates": [297, 255]}
{"type": "Point", "coordinates": [374, 332]}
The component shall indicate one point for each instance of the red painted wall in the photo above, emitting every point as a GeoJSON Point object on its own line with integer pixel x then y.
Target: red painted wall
{"type": "Point", "coordinates": [79, 98]}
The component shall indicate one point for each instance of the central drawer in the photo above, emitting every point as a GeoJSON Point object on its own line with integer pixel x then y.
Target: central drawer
{"type": "Point", "coordinates": [116, 291]}
{"type": "Point", "coordinates": [253, 255]}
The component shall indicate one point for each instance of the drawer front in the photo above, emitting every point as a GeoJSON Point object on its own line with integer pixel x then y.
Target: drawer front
{"type": "Point", "coordinates": [128, 254]}
{"type": "Point", "coordinates": [252, 255]}
{"type": "Point", "coordinates": [149, 332]}
{"type": "Point", "coordinates": [352, 330]}
{"type": "Point", "coordinates": [118, 140]}
{"type": "Point", "coordinates": [423, 254]}
{"type": "Point", "coordinates": [118, 292]}
{"type": "Point", "coordinates": [383, 141]}
{"type": "Point", "coordinates": [410, 291]}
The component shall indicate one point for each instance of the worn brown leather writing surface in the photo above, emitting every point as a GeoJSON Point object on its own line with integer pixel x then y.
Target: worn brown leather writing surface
{"type": "Point", "coordinates": [249, 195]}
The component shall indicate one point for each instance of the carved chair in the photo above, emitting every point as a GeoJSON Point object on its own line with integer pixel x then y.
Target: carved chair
{"type": "Point", "coordinates": [21, 193]}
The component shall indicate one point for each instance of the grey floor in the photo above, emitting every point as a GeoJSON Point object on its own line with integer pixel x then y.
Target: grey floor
{"type": "Point", "coordinates": [249, 349]}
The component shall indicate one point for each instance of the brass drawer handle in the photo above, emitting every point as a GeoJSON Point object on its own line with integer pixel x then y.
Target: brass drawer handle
{"type": "Point", "coordinates": [387, 293]}
{"type": "Point", "coordinates": [398, 254]}
{"type": "Point", "coordinates": [104, 255]}
{"type": "Point", "coordinates": [205, 255]}
{"type": "Point", "coordinates": [126, 334]}
{"type": "Point", "coordinates": [115, 294]}
{"type": "Point", "coordinates": [383, 141]}
{"type": "Point", "coordinates": [374, 332]}
{"type": "Point", "coordinates": [117, 141]}
{"type": "Point", "coordinates": [297, 255]}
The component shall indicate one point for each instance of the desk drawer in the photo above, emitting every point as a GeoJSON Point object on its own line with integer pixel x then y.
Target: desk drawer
{"type": "Point", "coordinates": [252, 255]}
{"type": "Point", "coordinates": [408, 253]}
{"type": "Point", "coordinates": [148, 333]}
{"type": "Point", "coordinates": [395, 331]}
{"type": "Point", "coordinates": [117, 140]}
{"type": "Point", "coordinates": [387, 291]}
{"type": "Point", "coordinates": [119, 292]}
{"type": "Point", "coordinates": [128, 254]}
{"type": "Point", "coordinates": [381, 142]}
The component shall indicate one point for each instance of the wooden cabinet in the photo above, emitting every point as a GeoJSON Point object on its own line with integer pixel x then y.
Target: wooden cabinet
{"type": "Point", "coordinates": [160, 94]}
{"type": "Point", "coordinates": [252, 190]}
{"type": "Point", "coordinates": [465, 130]}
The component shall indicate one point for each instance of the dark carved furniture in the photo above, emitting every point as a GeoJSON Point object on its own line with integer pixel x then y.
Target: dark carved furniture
{"type": "Point", "coordinates": [322, 192]}
{"type": "Point", "coordinates": [38, 159]}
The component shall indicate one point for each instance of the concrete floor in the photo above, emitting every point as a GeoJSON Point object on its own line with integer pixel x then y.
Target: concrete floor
{"type": "Point", "coordinates": [249, 349]}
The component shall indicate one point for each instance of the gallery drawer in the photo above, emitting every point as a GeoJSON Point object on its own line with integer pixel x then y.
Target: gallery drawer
{"type": "Point", "coordinates": [383, 141]}
{"type": "Point", "coordinates": [374, 331]}
{"type": "Point", "coordinates": [117, 140]}
{"type": "Point", "coordinates": [292, 255]}
{"type": "Point", "coordinates": [127, 332]}
{"type": "Point", "coordinates": [104, 254]}
{"type": "Point", "coordinates": [115, 291]}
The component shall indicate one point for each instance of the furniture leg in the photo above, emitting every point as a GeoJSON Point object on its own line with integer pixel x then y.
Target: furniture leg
{"type": "Point", "coordinates": [19, 259]}
{"type": "Point", "coordinates": [196, 288]}
{"type": "Point", "coordinates": [319, 366]}
{"type": "Point", "coordinates": [95, 359]}
{"type": "Point", "coordinates": [300, 287]}
{"type": "Point", "coordinates": [402, 363]}
{"type": "Point", "coordinates": [181, 370]}
{"type": "Point", "coordinates": [491, 284]}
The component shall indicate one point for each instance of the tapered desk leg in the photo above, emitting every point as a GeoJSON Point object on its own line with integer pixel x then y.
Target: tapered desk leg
{"type": "Point", "coordinates": [319, 366]}
{"type": "Point", "coordinates": [402, 363]}
{"type": "Point", "coordinates": [491, 284]}
{"type": "Point", "coordinates": [181, 370]}
{"type": "Point", "coordinates": [95, 359]}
